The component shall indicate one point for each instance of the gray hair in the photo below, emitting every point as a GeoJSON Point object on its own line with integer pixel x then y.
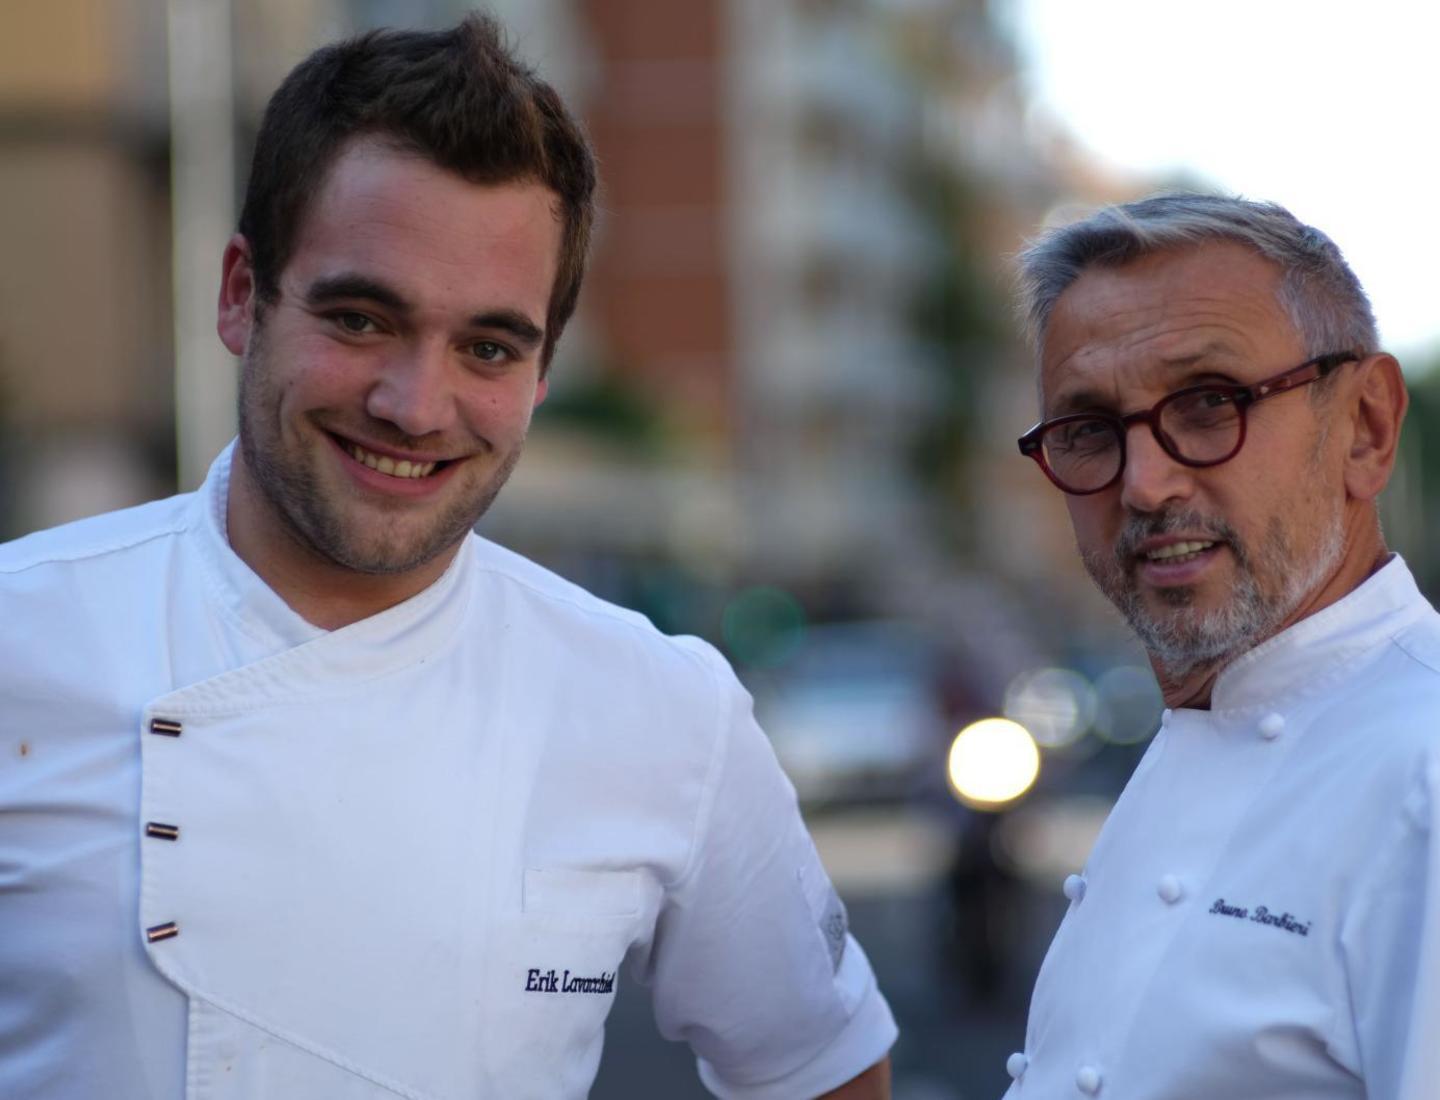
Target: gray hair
{"type": "Point", "coordinates": [1318, 291]}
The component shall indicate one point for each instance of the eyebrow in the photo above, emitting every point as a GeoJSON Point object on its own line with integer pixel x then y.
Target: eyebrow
{"type": "Point", "coordinates": [335, 288]}
{"type": "Point", "coordinates": [353, 287]}
{"type": "Point", "coordinates": [1091, 400]}
{"type": "Point", "coordinates": [1215, 350]}
{"type": "Point", "coordinates": [520, 328]}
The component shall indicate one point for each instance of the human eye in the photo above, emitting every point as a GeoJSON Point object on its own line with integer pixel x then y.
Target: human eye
{"type": "Point", "coordinates": [1204, 408]}
{"type": "Point", "coordinates": [353, 323]}
{"type": "Point", "coordinates": [491, 351]}
{"type": "Point", "coordinates": [1081, 437]}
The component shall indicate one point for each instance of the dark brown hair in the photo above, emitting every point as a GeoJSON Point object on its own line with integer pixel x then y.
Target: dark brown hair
{"type": "Point", "coordinates": [457, 97]}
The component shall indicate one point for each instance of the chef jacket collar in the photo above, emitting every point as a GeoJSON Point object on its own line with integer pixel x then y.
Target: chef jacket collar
{"type": "Point", "coordinates": [310, 656]}
{"type": "Point", "coordinates": [1324, 646]}
{"type": "Point", "coordinates": [248, 602]}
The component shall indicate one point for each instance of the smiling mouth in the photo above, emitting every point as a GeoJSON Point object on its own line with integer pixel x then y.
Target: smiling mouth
{"type": "Point", "coordinates": [384, 464]}
{"type": "Point", "coordinates": [1177, 553]}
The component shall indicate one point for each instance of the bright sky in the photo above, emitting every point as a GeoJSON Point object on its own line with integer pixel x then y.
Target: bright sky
{"type": "Point", "coordinates": [1330, 108]}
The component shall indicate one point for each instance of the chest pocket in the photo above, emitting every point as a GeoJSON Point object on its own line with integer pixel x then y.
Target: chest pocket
{"type": "Point", "coordinates": [580, 922]}
{"type": "Point", "coordinates": [558, 972]}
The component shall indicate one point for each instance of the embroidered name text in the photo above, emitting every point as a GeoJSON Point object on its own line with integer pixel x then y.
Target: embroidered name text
{"type": "Point", "coordinates": [1261, 915]}
{"type": "Point", "coordinates": [551, 981]}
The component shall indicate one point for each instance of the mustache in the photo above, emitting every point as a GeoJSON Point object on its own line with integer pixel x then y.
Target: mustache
{"type": "Point", "coordinates": [1140, 526]}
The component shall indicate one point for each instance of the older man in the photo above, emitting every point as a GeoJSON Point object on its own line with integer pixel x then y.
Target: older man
{"type": "Point", "coordinates": [319, 795]}
{"type": "Point", "coordinates": [1260, 916]}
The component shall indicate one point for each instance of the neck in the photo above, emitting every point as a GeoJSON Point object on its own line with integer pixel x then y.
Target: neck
{"type": "Point", "coordinates": [322, 592]}
{"type": "Point", "coordinates": [1365, 552]}
{"type": "Point", "coordinates": [1192, 688]}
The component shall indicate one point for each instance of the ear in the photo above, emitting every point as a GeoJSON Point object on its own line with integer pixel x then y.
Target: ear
{"type": "Point", "coordinates": [541, 389]}
{"type": "Point", "coordinates": [236, 314]}
{"type": "Point", "coordinates": [1378, 400]}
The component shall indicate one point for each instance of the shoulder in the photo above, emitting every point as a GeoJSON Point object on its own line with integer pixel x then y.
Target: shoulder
{"type": "Point", "coordinates": [1401, 690]}
{"type": "Point", "coordinates": [1419, 642]}
{"type": "Point", "coordinates": [111, 536]}
{"type": "Point", "coordinates": [552, 609]}
{"type": "Point", "coordinates": [94, 587]}
{"type": "Point", "coordinates": [1375, 730]}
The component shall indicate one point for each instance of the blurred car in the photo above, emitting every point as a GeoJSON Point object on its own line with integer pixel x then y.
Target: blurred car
{"type": "Point", "coordinates": [856, 713]}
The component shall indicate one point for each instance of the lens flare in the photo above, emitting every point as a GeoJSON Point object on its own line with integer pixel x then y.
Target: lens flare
{"type": "Point", "coordinates": [992, 763]}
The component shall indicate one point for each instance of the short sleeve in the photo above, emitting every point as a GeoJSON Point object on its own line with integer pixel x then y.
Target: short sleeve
{"type": "Point", "coordinates": [1392, 951]}
{"type": "Point", "coordinates": [752, 964]}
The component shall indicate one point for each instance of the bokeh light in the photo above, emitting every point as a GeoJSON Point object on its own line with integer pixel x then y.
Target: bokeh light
{"type": "Point", "coordinates": [763, 626]}
{"type": "Point", "coordinates": [1128, 704]}
{"type": "Point", "coordinates": [992, 763]}
{"type": "Point", "coordinates": [1044, 841]}
{"type": "Point", "coordinates": [1056, 705]}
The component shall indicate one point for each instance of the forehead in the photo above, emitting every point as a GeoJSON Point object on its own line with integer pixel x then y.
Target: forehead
{"type": "Point", "coordinates": [398, 216]}
{"type": "Point", "coordinates": [1144, 325]}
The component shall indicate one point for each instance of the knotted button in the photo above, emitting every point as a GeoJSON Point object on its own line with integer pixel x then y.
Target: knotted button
{"type": "Point", "coordinates": [1088, 1080]}
{"type": "Point", "coordinates": [1165, 716]}
{"type": "Point", "coordinates": [1074, 887]}
{"type": "Point", "coordinates": [1016, 1064]}
{"type": "Point", "coordinates": [1271, 726]}
{"type": "Point", "coordinates": [1169, 889]}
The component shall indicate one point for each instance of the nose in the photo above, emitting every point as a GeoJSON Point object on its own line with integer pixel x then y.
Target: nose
{"type": "Point", "coordinates": [413, 391]}
{"type": "Point", "coordinates": [1151, 478]}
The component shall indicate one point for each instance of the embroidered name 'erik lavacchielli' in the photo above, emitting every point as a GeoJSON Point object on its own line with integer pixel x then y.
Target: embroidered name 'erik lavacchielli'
{"type": "Point", "coordinates": [552, 981]}
{"type": "Point", "coordinates": [1261, 915]}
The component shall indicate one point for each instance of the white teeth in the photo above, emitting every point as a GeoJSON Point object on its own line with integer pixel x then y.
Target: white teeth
{"type": "Point", "coordinates": [1178, 550]}
{"type": "Point", "coordinates": [385, 465]}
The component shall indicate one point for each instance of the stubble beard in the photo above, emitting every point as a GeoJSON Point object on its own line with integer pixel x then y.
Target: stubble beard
{"type": "Point", "coordinates": [1183, 638]}
{"type": "Point", "coordinates": [316, 521]}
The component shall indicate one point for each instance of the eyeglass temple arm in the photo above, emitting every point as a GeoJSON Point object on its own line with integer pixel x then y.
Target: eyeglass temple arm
{"type": "Point", "coordinates": [1319, 368]}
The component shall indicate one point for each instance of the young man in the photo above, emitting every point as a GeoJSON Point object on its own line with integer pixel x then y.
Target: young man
{"type": "Point", "coordinates": [325, 796]}
{"type": "Point", "coordinates": [1260, 916]}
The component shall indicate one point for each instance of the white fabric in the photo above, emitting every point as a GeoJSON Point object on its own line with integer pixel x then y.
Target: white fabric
{"type": "Point", "coordinates": [387, 833]}
{"type": "Point", "coordinates": [1261, 912]}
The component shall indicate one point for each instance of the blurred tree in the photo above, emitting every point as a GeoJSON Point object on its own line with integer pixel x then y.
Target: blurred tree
{"type": "Point", "coordinates": [964, 318]}
{"type": "Point", "coordinates": [1411, 506]}
{"type": "Point", "coordinates": [608, 408]}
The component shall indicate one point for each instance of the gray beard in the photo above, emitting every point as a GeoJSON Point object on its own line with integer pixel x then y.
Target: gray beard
{"type": "Point", "coordinates": [1183, 639]}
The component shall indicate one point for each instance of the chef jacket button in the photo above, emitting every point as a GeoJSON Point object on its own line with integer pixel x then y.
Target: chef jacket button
{"type": "Point", "coordinates": [1016, 1064]}
{"type": "Point", "coordinates": [1088, 1080]}
{"type": "Point", "coordinates": [1074, 887]}
{"type": "Point", "coordinates": [1271, 725]}
{"type": "Point", "coordinates": [1169, 889]}
{"type": "Point", "coordinates": [1165, 716]}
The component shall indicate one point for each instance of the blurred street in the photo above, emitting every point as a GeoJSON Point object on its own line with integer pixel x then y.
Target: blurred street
{"type": "Point", "coordinates": [953, 1041]}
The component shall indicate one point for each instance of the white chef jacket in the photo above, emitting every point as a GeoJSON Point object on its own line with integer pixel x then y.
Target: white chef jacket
{"type": "Point", "coordinates": [241, 857]}
{"type": "Point", "coordinates": [1260, 916]}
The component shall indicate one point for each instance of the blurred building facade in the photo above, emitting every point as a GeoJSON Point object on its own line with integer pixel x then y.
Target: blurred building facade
{"type": "Point", "coordinates": [85, 359]}
{"type": "Point", "coordinates": [794, 361]}
{"type": "Point", "coordinates": [793, 383]}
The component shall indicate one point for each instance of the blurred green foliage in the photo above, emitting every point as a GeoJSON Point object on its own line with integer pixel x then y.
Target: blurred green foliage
{"type": "Point", "coordinates": [1419, 476]}
{"type": "Point", "coordinates": [762, 626]}
{"type": "Point", "coordinates": [963, 317]}
{"type": "Point", "coordinates": [611, 409]}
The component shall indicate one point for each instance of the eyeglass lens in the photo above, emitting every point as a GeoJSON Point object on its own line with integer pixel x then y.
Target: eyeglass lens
{"type": "Point", "coordinates": [1198, 426]}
